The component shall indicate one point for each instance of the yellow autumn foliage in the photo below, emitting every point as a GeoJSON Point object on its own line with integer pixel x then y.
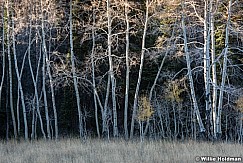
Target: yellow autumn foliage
{"type": "Point", "coordinates": [145, 110]}
{"type": "Point", "coordinates": [239, 104]}
{"type": "Point", "coordinates": [174, 91]}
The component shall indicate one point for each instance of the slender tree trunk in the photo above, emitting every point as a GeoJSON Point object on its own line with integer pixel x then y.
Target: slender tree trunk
{"type": "Point", "coordinates": [44, 48]}
{"type": "Point", "coordinates": [32, 136]}
{"type": "Point", "coordinates": [105, 125]}
{"type": "Point", "coordinates": [35, 83]}
{"type": "Point", "coordinates": [45, 97]}
{"type": "Point", "coordinates": [93, 76]}
{"type": "Point", "coordinates": [159, 107]}
{"type": "Point", "coordinates": [75, 75]}
{"type": "Point", "coordinates": [140, 72]}
{"type": "Point", "coordinates": [207, 28]}
{"type": "Point", "coordinates": [127, 71]}
{"type": "Point", "coordinates": [195, 105]}
{"type": "Point", "coordinates": [156, 79]}
{"type": "Point", "coordinates": [7, 116]}
{"type": "Point", "coordinates": [19, 78]}
{"type": "Point", "coordinates": [18, 115]}
{"type": "Point", "coordinates": [49, 135]}
{"type": "Point", "coordinates": [17, 111]}
{"type": "Point", "coordinates": [3, 53]}
{"type": "Point", "coordinates": [175, 120]}
{"type": "Point", "coordinates": [240, 128]}
{"type": "Point", "coordinates": [10, 72]}
{"type": "Point", "coordinates": [224, 73]}
{"type": "Point", "coordinates": [43, 87]}
{"type": "Point", "coordinates": [111, 72]}
{"type": "Point", "coordinates": [18, 99]}
{"type": "Point", "coordinates": [35, 125]}
{"type": "Point", "coordinates": [214, 70]}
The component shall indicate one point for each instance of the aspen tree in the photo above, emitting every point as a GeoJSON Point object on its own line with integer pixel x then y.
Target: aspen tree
{"type": "Point", "coordinates": [127, 69]}
{"type": "Point", "coordinates": [188, 61]}
{"type": "Point", "coordinates": [206, 60]}
{"type": "Point", "coordinates": [111, 71]}
{"type": "Point", "coordinates": [20, 74]}
{"type": "Point", "coordinates": [10, 71]}
{"type": "Point", "coordinates": [45, 96]}
{"type": "Point", "coordinates": [74, 74]}
{"type": "Point", "coordinates": [224, 73]}
{"type": "Point", "coordinates": [239, 105]}
{"type": "Point", "coordinates": [49, 135]}
{"type": "Point", "coordinates": [135, 103]}
{"type": "Point", "coordinates": [93, 75]}
{"type": "Point", "coordinates": [214, 69]}
{"type": "Point", "coordinates": [44, 49]}
{"type": "Point", "coordinates": [3, 52]}
{"type": "Point", "coordinates": [157, 77]}
{"type": "Point", "coordinates": [105, 124]}
{"type": "Point", "coordinates": [35, 80]}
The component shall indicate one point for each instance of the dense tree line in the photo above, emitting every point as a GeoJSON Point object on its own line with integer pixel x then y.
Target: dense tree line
{"type": "Point", "coordinates": [121, 68]}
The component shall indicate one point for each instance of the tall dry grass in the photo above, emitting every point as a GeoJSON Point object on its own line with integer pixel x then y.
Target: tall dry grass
{"type": "Point", "coordinates": [119, 151]}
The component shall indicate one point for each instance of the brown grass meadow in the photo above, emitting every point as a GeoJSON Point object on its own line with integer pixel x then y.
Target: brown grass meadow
{"type": "Point", "coordinates": [115, 151]}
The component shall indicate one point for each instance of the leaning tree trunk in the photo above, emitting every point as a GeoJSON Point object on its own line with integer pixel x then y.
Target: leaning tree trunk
{"type": "Point", "coordinates": [195, 105]}
{"type": "Point", "coordinates": [156, 79]}
{"type": "Point", "coordinates": [44, 49]}
{"type": "Point", "coordinates": [75, 75]}
{"type": "Point", "coordinates": [19, 79]}
{"type": "Point", "coordinates": [224, 73]}
{"type": "Point", "coordinates": [20, 74]}
{"type": "Point", "coordinates": [35, 83]}
{"type": "Point", "coordinates": [135, 103]}
{"type": "Point", "coordinates": [20, 84]}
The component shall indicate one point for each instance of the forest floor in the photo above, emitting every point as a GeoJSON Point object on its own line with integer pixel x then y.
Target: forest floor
{"type": "Point", "coordinates": [115, 151]}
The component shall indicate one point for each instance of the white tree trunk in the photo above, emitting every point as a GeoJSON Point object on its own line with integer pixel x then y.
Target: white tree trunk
{"type": "Point", "coordinates": [140, 71]}
{"type": "Point", "coordinates": [111, 72]}
{"type": "Point", "coordinates": [224, 73]}
{"type": "Point", "coordinates": [20, 74]}
{"type": "Point", "coordinates": [19, 78]}
{"type": "Point", "coordinates": [93, 77]}
{"type": "Point", "coordinates": [32, 136]}
{"type": "Point", "coordinates": [214, 71]}
{"type": "Point", "coordinates": [3, 54]}
{"type": "Point", "coordinates": [74, 74]}
{"type": "Point", "coordinates": [45, 97]}
{"type": "Point", "coordinates": [49, 71]}
{"type": "Point", "coordinates": [35, 83]}
{"type": "Point", "coordinates": [105, 123]}
{"type": "Point", "coordinates": [127, 70]}
{"type": "Point", "coordinates": [156, 79]}
{"type": "Point", "coordinates": [206, 60]}
{"type": "Point", "coordinates": [10, 72]}
{"type": "Point", "coordinates": [240, 128]}
{"type": "Point", "coordinates": [195, 105]}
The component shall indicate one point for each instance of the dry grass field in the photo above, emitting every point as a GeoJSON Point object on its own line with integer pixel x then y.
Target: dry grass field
{"type": "Point", "coordinates": [119, 151]}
